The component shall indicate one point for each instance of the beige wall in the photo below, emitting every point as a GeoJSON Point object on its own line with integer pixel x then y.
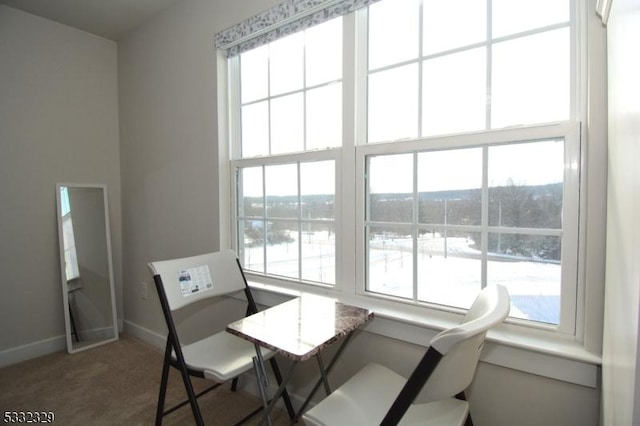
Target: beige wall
{"type": "Point", "coordinates": [621, 356]}
{"type": "Point", "coordinates": [168, 118]}
{"type": "Point", "coordinates": [58, 123]}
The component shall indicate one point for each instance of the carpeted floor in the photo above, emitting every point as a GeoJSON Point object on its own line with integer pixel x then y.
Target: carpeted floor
{"type": "Point", "coordinates": [114, 384]}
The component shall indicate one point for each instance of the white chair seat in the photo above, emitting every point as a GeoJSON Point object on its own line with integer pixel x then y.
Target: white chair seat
{"type": "Point", "coordinates": [366, 397]}
{"type": "Point", "coordinates": [222, 356]}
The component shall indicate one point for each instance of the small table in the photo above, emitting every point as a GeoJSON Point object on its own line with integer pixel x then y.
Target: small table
{"type": "Point", "coordinates": [299, 329]}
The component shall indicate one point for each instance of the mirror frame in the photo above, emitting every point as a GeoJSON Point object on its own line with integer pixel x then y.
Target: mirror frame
{"type": "Point", "coordinates": [71, 348]}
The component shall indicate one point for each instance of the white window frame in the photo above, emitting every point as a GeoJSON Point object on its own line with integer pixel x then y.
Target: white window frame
{"type": "Point", "coordinates": [305, 157]}
{"type": "Point", "coordinates": [561, 354]}
{"type": "Point", "coordinates": [568, 131]}
{"type": "Point", "coordinates": [229, 76]}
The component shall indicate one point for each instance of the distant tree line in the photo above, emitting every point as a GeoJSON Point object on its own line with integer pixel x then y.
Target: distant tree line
{"type": "Point", "coordinates": [314, 207]}
{"type": "Point", "coordinates": [512, 205]}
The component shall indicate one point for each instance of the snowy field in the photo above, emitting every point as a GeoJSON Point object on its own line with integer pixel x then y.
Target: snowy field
{"type": "Point", "coordinates": [451, 280]}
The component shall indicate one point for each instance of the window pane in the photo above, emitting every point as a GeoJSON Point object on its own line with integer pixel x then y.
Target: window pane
{"type": "Point", "coordinates": [393, 32]}
{"type": "Point", "coordinates": [318, 252]}
{"type": "Point", "coordinates": [531, 79]}
{"type": "Point", "coordinates": [529, 266]}
{"type": "Point", "coordinates": [282, 190]}
{"type": "Point", "coordinates": [317, 189]}
{"type": "Point", "coordinates": [282, 248]}
{"type": "Point", "coordinates": [286, 60]}
{"type": "Point", "coordinates": [449, 186]}
{"type": "Point", "coordinates": [393, 104]}
{"type": "Point", "coordinates": [449, 24]}
{"type": "Point", "coordinates": [454, 93]}
{"type": "Point", "coordinates": [324, 117]}
{"type": "Point", "coordinates": [449, 267]}
{"type": "Point", "coordinates": [514, 16]}
{"type": "Point", "coordinates": [252, 244]}
{"type": "Point", "coordinates": [250, 198]}
{"type": "Point", "coordinates": [390, 179]}
{"type": "Point", "coordinates": [324, 52]}
{"type": "Point", "coordinates": [390, 261]}
{"type": "Point", "coordinates": [525, 185]}
{"type": "Point", "coordinates": [254, 71]}
{"type": "Point", "coordinates": [255, 129]}
{"type": "Point", "coordinates": [287, 124]}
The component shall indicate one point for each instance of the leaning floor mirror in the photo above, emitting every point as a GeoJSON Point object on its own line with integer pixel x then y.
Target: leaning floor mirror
{"type": "Point", "coordinates": [86, 265]}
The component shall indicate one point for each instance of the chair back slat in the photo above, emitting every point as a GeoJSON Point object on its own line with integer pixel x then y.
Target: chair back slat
{"type": "Point", "coordinates": [454, 371]}
{"type": "Point", "coordinates": [190, 279]}
{"type": "Point", "coordinates": [461, 346]}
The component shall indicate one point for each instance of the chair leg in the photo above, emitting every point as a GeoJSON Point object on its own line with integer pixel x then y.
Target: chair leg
{"type": "Point", "coordinates": [163, 386]}
{"type": "Point", "coordinates": [234, 384]}
{"type": "Point", "coordinates": [192, 398]}
{"type": "Point", "coordinates": [285, 394]}
{"type": "Point", "coordinates": [192, 395]}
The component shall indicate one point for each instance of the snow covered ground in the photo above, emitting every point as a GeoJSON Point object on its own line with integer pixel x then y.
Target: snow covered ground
{"type": "Point", "coordinates": [451, 280]}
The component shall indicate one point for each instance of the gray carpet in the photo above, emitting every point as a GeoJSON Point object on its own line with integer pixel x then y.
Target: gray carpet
{"type": "Point", "coordinates": [114, 384]}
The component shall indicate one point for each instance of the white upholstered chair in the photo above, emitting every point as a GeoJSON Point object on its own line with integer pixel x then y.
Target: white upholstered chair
{"type": "Point", "coordinates": [379, 396]}
{"type": "Point", "coordinates": [219, 357]}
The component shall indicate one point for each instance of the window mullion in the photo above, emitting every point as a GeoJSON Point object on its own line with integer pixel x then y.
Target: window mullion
{"type": "Point", "coordinates": [420, 63]}
{"type": "Point", "coordinates": [269, 100]}
{"type": "Point", "coordinates": [484, 217]}
{"type": "Point", "coordinates": [305, 90]}
{"type": "Point", "coordinates": [414, 231]}
{"type": "Point", "coordinates": [489, 67]}
{"type": "Point", "coordinates": [265, 234]}
{"type": "Point", "coordinates": [299, 185]}
{"type": "Point", "coordinates": [350, 251]}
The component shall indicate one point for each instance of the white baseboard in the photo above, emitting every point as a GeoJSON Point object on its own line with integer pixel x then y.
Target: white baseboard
{"type": "Point", "coordinates": [32, 350]}
{"type": "Point", "coordinates": [46, 346]}
{"type": "Point", "coordinates": [148, 336]}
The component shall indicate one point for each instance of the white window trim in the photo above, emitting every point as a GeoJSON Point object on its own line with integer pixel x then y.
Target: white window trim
{"type": "Point", "coordinates": [572, 359]}
{"type": "Point", "coordinates": [569, 131]}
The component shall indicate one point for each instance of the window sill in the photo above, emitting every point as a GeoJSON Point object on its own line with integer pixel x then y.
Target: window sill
{"type": "Point", "coordinates": [554, 358]}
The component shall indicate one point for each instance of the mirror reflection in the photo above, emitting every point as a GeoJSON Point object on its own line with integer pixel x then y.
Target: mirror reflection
{"type": "Point", "coordinates": [86, 266]}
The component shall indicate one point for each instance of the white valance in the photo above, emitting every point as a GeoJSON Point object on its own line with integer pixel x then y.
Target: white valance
{"type": "Point", "coordinates": [286, 18]}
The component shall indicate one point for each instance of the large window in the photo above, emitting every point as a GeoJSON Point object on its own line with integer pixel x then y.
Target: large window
{"type": "Point", "coordinates": [415, 151]}
{"type": "Point", "coordinates": [290, 100]}
{"type": "Point", "coordinates": [447, 222]}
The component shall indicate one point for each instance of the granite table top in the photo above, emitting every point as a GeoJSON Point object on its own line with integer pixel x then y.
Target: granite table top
{"type": "Point", "coordinates": [300, 328]}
